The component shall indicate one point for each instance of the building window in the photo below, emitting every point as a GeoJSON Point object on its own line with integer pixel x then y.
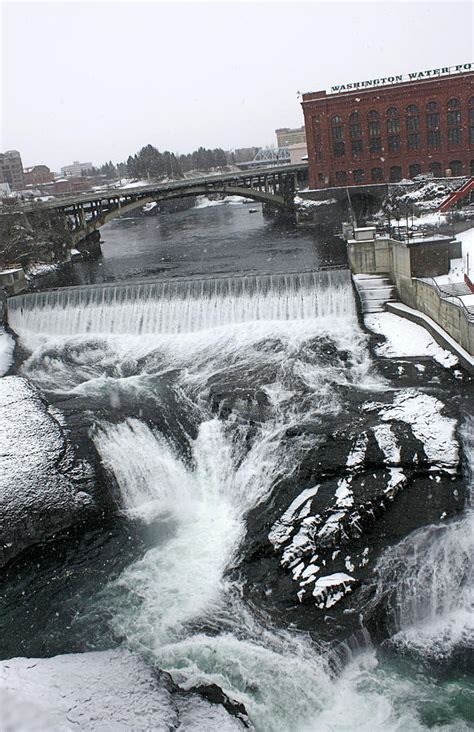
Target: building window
{"type": "Point", "coordinates": [321, 176]}
{"type": "Point", "coordinates": [434, 138]}
{"type": "Point", "coordinates": [472, 167]}
{"type": "Point", "coordinates": [375, 145]}
{"type": "Point", "coordinates": [357, 148]}
{"type": "Point", "coordinates": [395, 174]}
{"type": "Point", "coordinates": [341, 176]}
{"type": "Point", "coordinates": [377, 174]}
{"type": "Point", "coordinates": [374, 129]}
{"type": "Point", "coordinates": [393, 121]}
{"type": "Point", "coordinates": [337, 136]}
{"type": "Point", "coordinates": [456, 167]}
{"type": "Point", "coordinates": [454, 136]}
{"type": "Point", "coordinates": [413, 124]}
{"type": "Point", "coordinates": [414, 141]}
{"type": "Point", "coordinates": [394, 143]}
{"type": "Point", "coordinates": [432, 118]}
{"type": "Point", "coordinates": [435, 168]}
{"type": "Point", "coordinates": [358, 175]}
{"type": "Point", "coordinates": [471, 121]}
{"type": "Point", "coordinates": [414, 170]}
{"type": "Point", "coordinates": [356, 131]}
{"type": "Point", "coordinates": [454, 122]}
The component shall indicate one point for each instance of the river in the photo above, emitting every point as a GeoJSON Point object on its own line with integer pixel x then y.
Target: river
{"type": "Point", "coordinates": [289, 516]}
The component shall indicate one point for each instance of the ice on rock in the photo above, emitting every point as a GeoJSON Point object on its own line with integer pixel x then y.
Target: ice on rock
{"type": "Point", "coordinates": [106, 690]}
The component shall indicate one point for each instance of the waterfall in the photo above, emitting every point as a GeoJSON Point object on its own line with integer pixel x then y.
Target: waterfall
{"type": "Point", "coordinates": [183, 306]}
{"type": "Point", "coordinates": [427, 581]}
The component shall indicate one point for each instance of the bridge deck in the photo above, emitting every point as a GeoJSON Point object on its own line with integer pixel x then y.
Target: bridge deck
{"type": "Point", "coordinates": [244, 177]}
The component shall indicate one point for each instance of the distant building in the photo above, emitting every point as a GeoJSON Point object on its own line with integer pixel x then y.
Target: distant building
{"type": "Point", "coordinates": [384, 130]}
{"type": "Point", "coordinates": [298, 152]}
{"type": "Point", "coordinates": [65, 185]}
{"type": "Point", "coordinates": [37, 174]}
{"type": "Point", "coordinates": [287, 136]}
{"type": "Point", "coordinates": [76, 169]}
{"type": "Point", "coordinates": [12, 169]}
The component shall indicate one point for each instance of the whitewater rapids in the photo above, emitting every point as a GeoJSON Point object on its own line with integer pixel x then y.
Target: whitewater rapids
{"type": "Point", "coordinates": [180, 604]}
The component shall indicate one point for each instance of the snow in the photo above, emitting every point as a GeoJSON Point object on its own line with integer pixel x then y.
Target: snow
{"type": "Point", "coordinates": [35, 270]}
{"type": "Point", "coordinates": [423, 413]}
{"type": "Point", "coordinates": [453, 344]}
{"type": "Point", "coordinates": [282, 529]}
{"type": "Point", "coordinates": [330, 589]}
{"type": "Point", "coordinates": [7, 345]}
{"type": "Point", "coordinates": [205, 202]}
{"type": "Point", "coordinates": [42, 487]}
{"type": "Point", "coordinates": [306, 203]}
{"type": "Point", "coordinates": [458, 267]}
{"type": "Point", "coordinates": [404, 338]}
{"type": "Point", "coordinates": [106, 690]}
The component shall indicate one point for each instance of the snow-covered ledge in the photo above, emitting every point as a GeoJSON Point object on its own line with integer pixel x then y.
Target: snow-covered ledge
{"type": "Point", "coordinates": [440, 335]}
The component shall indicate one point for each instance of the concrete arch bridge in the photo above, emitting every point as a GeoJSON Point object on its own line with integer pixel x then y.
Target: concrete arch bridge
{"type": "Point", "coordinates": [274, 186]}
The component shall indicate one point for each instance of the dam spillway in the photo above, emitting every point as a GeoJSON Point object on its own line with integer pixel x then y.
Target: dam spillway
{"type": "Point", "coordinates": [183, 306]}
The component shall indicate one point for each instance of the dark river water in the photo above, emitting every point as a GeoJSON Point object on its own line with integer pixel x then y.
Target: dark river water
{"type": "Point", "coordinates": [288, 516]}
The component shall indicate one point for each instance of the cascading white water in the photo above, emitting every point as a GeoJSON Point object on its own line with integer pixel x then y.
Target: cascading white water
{"type": "Point", "coordinates": [429, 580]}
{"type": "Point", "coordinates": [183, 306]}
{"type": "Point", "coordinates": [177, 603]}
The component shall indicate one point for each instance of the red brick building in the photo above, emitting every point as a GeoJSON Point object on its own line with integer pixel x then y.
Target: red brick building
{"type": "Point", "coordinates": [359, 135]}
{"type": "Point", "coordinates": [38, 174]}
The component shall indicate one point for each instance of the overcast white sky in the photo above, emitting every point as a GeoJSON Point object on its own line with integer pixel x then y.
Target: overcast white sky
{"type": "Point", "coordinates": [98, 80]}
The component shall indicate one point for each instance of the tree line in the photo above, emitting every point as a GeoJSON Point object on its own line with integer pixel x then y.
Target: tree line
{"type": "Point", "coordinates": [149, 162]}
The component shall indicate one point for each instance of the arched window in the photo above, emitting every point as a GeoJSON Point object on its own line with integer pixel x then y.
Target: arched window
{"type": "Point", "coordinates": [354, 117]}
{"type": "Point", "coordinates": [471, 121]}
{"type": "Point", "coordinates": [355, 128]}
{"type": "Point", "coordinates": [377, 175]}
{"type": "Point", "coordinates": [433, 133]}
{"type": "Point", "coordinates": [435, 168]}
{"type": "Point", "coordinates": [395, 174]}
{"type": "Point", "coordinates": [358, 175]}
{"type": "Point", "coordinates": [456, 167]}
{"type": "Point", "coordinates": [393, 129]}
{"type": "Point", "coordinates": [412, 117]}
{"type": "Point", "coordinates": [414, 170]}
{"type": "Point", "coordinates": [375, 140]}
{"type": "Point", "coordinates": [393, 121]}
{"type": "Point", "coordinates": [454, 118]}
{"type": "Point", "coordinates": [341, 177]}
{"type": "Point", "coordinates": [337, 129]}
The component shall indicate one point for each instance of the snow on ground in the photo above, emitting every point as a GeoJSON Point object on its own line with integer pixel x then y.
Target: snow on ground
{"type": "Point", "coordinates": [35, 270]}
{"type": "Point", "coordinates": [106, 690]}
{"type": "Point", "coordinates": [404, 338]}
{"type": "Point", "coordinates": [7, 345]}
{"type": "Point", "coordinates": [205, 202]}
{"type": "Point", "coordinates": [460, 266]}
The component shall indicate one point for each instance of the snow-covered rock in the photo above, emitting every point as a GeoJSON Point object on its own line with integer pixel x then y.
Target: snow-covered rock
{"type": "Point", "coordinates": [43, 487]}
{"type": "Point", "coordinates": [107, 690]}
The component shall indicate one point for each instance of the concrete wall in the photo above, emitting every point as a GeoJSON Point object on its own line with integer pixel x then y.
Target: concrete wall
{"type": "Point", "coordinates": [448, 315]}
{"type": "Point", "coordinates": [392, 258]}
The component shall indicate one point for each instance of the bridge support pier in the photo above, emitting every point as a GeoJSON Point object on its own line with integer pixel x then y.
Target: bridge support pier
{"type": "Point", "coordinates": [90, 246]}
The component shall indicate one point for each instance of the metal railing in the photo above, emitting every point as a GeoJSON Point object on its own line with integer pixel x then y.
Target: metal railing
{"type": "Point", "coordinates": [443, 295]}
